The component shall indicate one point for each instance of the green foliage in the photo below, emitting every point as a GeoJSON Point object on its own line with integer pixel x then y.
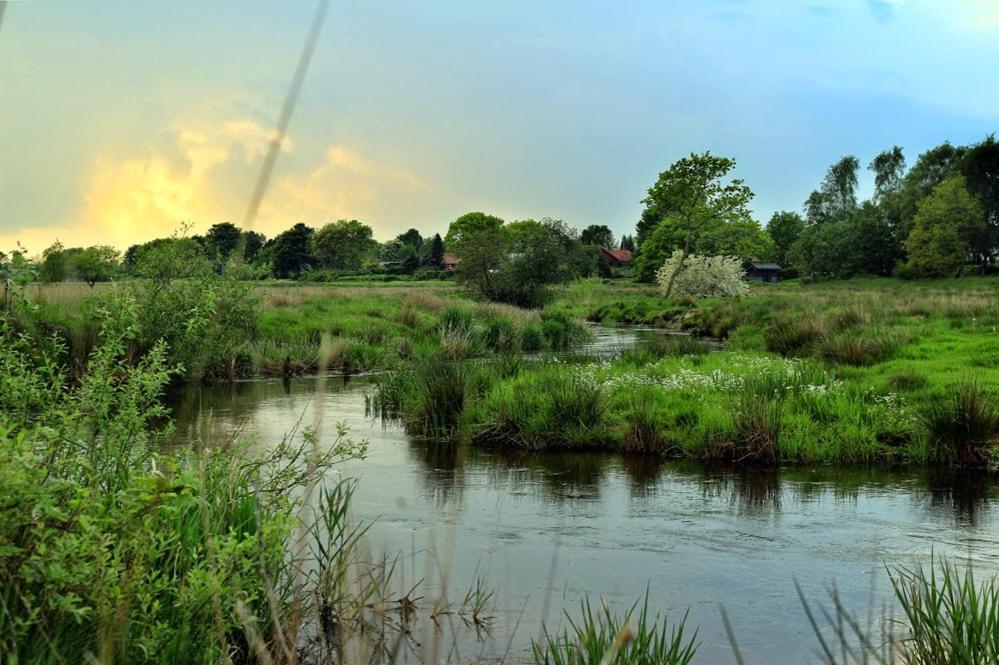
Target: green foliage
{"type": "Point", "coordinates": [55, 265]}
{"type": "Point", "coordinates": [696, 206]}
{"type": "Point", "coordinates": [96, 264]}
{"type": "Point", "coordinates": [604, 638]}
{"type": "Point", "coordinates": [784, 228]}
{"type": "Point", "coordinates": [343, 245]}
{"type": "Point", "coordinates": [597, 234]}
{"type": "Point", "coordinates": [519, 266]}
{"type": "Point", "coordinates": [221, 241]}
{"type": "Point", "coordinates": [291, 251]}
{"type": "Point", "coordinates": [945, 228]}
{"type": "Point", "coordinates": [468, 225]}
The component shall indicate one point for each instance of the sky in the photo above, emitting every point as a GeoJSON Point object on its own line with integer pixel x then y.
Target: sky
{"type": "Point", "coordinates": [122, 121]}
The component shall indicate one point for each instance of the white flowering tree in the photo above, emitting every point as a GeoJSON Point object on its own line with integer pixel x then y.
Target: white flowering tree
{"type": "Point", "coordinates": [701, 276]}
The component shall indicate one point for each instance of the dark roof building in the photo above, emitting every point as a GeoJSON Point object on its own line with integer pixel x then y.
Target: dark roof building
{"type": "Point", "coordinates": [763, 272]}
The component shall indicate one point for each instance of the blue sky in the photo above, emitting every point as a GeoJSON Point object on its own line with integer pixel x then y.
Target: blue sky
{"type": "Point", "coordinates": [121, 120]}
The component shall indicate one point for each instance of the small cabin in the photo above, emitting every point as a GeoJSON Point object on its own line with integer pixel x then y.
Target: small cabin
{"type": "Point", "coordinates": [763, 272]}
{"type": "Point", "coordinates": [615, 258]}
{"type": "Point", "coordinates": [451, 261]}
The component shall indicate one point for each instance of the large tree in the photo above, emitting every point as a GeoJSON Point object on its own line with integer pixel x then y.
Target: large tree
{"type": "Point", "coordinates": [981, 170]}
{"type": "Point", "coordinates": [597, 234]}
{"type": "Point", "coordinates": [96, 264]}
{"type": "Point", "coordinates": [411, 237]}
{"type": "Point", "coordinates": [467, 225]}
{"type": "Point", "coordinates": [344, 245]}
{"type": "Point", "coordinates": [434, 258]}
{"type": "Point", "coordinates": [888, 168]}
{"type": "Point", "coordinates": [221, 241]}
{"type": "Point", "coordinates": [784, 228]}
{"type": "Point", "coordinates": [291, 251]}
{"type": "Point", "coordinates": [943, 231]}
{"type": "Point", "coordinates": [694, 197]}
{"type": "Point", "coordinates": [54, 264]}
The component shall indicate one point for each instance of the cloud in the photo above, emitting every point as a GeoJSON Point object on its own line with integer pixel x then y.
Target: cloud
{"type": "Point", "coordinates": [202, 174]}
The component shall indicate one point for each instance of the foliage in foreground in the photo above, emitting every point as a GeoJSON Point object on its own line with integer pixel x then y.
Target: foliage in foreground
{"type": "Point", "coordinates": [947, 618]}
{"type": "Point", "coordinates": [115, 551]}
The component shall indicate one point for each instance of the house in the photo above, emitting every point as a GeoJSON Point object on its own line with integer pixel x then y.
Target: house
{"type": "Point", "coordinates": [451, 261]}
{"type": "Point", "coordinates": [615, 258]}
{"type": "Point", "coordinates": [763, 272]}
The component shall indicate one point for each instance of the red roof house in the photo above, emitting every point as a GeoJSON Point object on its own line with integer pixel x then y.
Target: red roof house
{"type": "Point", "coordinates": [615, 258]}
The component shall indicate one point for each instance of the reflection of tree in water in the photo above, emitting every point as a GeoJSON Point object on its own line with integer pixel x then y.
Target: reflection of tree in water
{"type": "Point", "coordinates": [643, 472]}
{"type": "Point", "coordinates": [443, 466]}
{"type": "Point", "coordinates": [755, 491]}
{"type": "Point", "coordinates": [964, 491]}
{"type": "Point", "coordinates": [557, 476]}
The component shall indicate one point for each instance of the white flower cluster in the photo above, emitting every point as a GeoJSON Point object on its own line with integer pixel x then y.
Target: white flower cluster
{"type": "Point", "coordinates": [703, 276]}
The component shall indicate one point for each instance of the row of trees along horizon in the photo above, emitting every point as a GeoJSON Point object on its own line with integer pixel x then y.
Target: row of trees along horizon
{"type": "Point", "coordinates": [938, 218]}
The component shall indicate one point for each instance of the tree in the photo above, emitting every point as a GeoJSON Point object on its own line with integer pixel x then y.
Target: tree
{"type": "Point", "coordinates": [597, 234]}
{"type": "Point", "coordinates": [693, 198]}
{"type": "Point", "coordinates": [702, 276]}
{"type": "Point", "coordinates": [291, 251]}
{"type": "Point", "coordinates": [944, 227]}
{"type": "Point", "coordinates": [839, 188]}
{"type": "Point", "coordinates": [130, 257]}
{"type": "Point", "coordinates": [435, 254]}
{"type": "Point", "coordinates": [784, 228]}
{"type": "Point", "coordinates": [344, 245]}
{"type": "Point", "coordinates": [221, 241]}
{"type": "Point", "coordinates": [888, 168]}
{"type": "Point", "coordinates": [981, 170]}
{"type": "Point", "coordinates": [54, 265]}
{"type": "Point", "coordinates": [627, 242]}
{"type": "Point", "coordinates": [518, 268]}
{"type": "Point", "coordinates": [815, 209]}
{"type": "Point", "coordinates": [931, 169]}
{"type": "Point", "coordinates": [96, 264]}
{"type": "Point", "coordinates": [411, 237]}
{"type": "Point", "coordinates": [469, 224]}
{"type": "Point", "coordinates": [253, 242]}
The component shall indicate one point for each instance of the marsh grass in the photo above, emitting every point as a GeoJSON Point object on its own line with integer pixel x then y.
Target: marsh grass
{"type": "Point", "coordinates": [963, 424]}
{"type": "Point", "coordinates": [947, 616]}
{"type": "Point", "coordinates": [602, 637]}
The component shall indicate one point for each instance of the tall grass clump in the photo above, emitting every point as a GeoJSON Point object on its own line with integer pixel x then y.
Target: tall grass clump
{"type": "Point", "coordinates": [962, 425]}
{"type": "Point", "coordinates": [430, 397]}
{"type": "Point", "coordinates": [601, 637]}
{"type": "Point", "coordinates": [947, 618]}
{"type": "Point", "coordinates": [859, 348]}
{"type": "Point", "coordinates": [561, 330]}
{"type": "Point", "coordinates": [793, 335]}
{"type": "Point", "coordinates": [757, 421]}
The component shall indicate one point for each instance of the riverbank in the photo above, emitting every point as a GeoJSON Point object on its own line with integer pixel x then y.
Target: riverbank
{"type": "Point", "coordinates": [865, 371]}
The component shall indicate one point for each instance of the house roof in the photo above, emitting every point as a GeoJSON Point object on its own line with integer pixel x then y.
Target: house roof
{"type": "Point", "coordinates": [622, 255]}
{"type": "Point", "coordinates": [451, 257]}
{"type": "Point", "coordinates": [765, 266]}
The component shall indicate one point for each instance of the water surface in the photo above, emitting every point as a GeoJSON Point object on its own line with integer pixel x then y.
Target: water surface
{"type": "Point", "coordinates": [545, 529]}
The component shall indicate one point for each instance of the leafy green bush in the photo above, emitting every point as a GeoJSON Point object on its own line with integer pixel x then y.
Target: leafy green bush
{"type": "Point", "coordinates": [962, 424]}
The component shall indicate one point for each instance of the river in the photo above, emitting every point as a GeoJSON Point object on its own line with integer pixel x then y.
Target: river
{"type": "Point", "coordinates": [543, 530]}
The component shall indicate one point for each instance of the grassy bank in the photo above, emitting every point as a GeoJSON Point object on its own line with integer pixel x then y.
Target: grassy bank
{"type": "Point", "coordinates": [856, 372]}
{"type": "Point", "coordinates": [284, 328]}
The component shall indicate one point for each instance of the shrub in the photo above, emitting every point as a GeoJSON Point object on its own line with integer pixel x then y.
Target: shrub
{"type": "Point", "coordinates": [532, 338]}
{"type": "Point", "coordinates": [907, 380]}
{"type": "Point", "coordinates": [561, 330]}
{"type": "Point", "coordinates": [702, 276]}
{"type": "Point", "coordinates": [757, 420]}
{"type": "Point", "coordinates": [961, 424]}
{"type": "Point", "coordinates": [500, 335]}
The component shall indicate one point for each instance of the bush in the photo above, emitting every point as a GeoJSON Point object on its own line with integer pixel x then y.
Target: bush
{"type": "Point", "coordinates": [961, 425]}
{"type": "Point", "coordinates": [792, 335]}
{"type": "Point", "coordinates": [702, 276]}
{"type": "Point", "coordinates": [532, 338]}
